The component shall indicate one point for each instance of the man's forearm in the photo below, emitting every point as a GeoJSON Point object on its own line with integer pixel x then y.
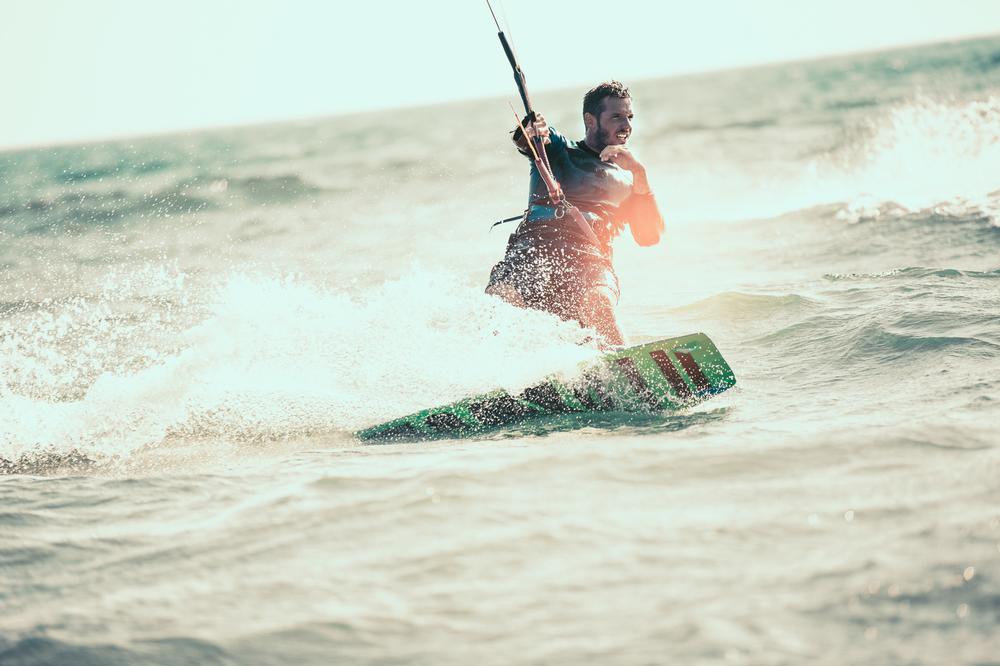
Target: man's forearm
{"type": "Point", "coordinates": [644, 218]}
{"type": "Point", "coordinates": [640, 185]}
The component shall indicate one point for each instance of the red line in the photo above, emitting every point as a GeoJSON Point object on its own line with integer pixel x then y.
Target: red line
{"type": "Point", "coordinates": [694, 372]}
{"type": "Point", "coordinates": [627, 365]}
{"type": "Point", "coordinates": [670, 372]}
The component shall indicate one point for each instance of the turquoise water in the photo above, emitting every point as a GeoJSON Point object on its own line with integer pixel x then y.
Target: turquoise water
{"type": "Point", "coordinates": [192, 326]}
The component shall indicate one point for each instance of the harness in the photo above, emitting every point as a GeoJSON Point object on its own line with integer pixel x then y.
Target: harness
{"type": "Point", "coordinates": [541, 212]}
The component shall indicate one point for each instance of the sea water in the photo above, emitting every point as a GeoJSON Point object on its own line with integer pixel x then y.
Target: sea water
{"type": "Point", "coordinates": [192, 326]}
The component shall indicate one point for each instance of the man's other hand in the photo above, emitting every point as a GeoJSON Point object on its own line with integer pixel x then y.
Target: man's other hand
{"type": "Point", "coordinates": [621, 156]}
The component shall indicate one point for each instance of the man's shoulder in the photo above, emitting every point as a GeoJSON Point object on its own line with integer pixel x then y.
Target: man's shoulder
{"type": "Point", "coordinates": [580, 147]}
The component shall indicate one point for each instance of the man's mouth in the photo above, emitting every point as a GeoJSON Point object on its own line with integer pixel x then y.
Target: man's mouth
{"type": "Point", "coordinates": [622, 136]}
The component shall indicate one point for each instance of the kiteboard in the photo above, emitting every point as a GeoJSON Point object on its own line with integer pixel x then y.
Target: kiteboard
{"type": "Point", "coordinates": [654, 377]}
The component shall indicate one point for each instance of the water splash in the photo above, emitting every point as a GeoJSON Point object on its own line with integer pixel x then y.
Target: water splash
{"type": "Point", "coordinates": [927, 155]}
{"type": "Point", "coordinates": [255, 357]}
{"type": "Point", "coordinates": [923, 156]}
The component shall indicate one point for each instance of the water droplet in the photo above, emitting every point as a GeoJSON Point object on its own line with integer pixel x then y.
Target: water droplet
{"type": "Point", "coordinates": [874, 586]}
{"type": "Point", "coordinates": [871, 633]}
{"type": "Point", "coordinates": [430, 491]}
{"type": "Point", "coordinates": [962, 610]}
{"type": "Point", "coordinates": [813, 519]}
{"type": "Point", "coordinates": [893, 591]}
{"type": "Point", "coordinates": [849, 516]}
{"type": "Point", "coordinates": [969, 573]}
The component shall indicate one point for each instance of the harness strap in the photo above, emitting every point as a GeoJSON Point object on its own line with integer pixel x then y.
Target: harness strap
{"type": "Point", "coordinates": [522, 216]}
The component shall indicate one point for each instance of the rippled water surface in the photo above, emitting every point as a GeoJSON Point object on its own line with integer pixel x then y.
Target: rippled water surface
{"type": "Point", "coordinates": [193, 326]}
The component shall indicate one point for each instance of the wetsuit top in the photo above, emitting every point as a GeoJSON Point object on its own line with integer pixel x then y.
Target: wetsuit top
{"type": "Point", "coordinates": [601, 190]}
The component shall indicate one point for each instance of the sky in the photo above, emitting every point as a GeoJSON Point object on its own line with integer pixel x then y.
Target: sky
{"type": "Point", "coordinates": [85, 70]}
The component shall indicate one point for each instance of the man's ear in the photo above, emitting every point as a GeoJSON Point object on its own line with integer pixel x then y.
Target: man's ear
{"type": "Point", "coordinates": [589, 121]}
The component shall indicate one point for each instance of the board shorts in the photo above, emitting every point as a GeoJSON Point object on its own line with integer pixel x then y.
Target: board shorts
{"type": "Point", "coordinates": [554, 277]}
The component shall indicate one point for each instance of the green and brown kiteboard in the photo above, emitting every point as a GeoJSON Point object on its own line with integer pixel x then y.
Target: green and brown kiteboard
{"type": "Point", "coordinates": [657, 376]}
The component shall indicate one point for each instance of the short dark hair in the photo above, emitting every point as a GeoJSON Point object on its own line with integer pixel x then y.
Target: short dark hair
{"type": "Point", "coordinates": [594, 99]}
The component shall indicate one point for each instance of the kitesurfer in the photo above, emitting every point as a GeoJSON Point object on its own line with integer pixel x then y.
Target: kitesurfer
{"type": "Point", "coordinates": [552, 262]}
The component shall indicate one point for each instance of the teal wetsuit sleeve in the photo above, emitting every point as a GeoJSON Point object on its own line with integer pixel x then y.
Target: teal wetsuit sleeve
{"type": "Point", "coordinates": [557, 143]}
{"type": "Point", "coordinates": [558, 140]}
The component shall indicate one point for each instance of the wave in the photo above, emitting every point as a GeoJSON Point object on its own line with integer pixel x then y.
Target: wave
{"type": "Point", "coordinates": [921, 157]}
{"type": "Point", "coordinates": [49, 463]}
{"type": "Point", "coordinates": [914, 272]}
{"type": "Point", "coordinates": [851, 104]}
{"type": "Point", "coordinates": [254, 189]}
{"type": "Point", "coordinates": [880, 339]}
{"type": "Point", "coordinates": [984, 213]}
{"type": "Point", "coordinates": [753, 123]}
{"type": "Point", "coordinates": [874, 341]}
{"type": "Point", "coordinates": [9, 307]}
{"type": "Point", "coordinates": [119, 169]}
{"type": "Point", "coordinates": [741, 306]}
{"type": "Point", "coordinates": [926, 155]}
{"type": "Point", "coordinates": [78, 210]}
{"type": "Point", "coordinates": [43, 650]}
{"type": "Point", "coordinates": [989, 61]}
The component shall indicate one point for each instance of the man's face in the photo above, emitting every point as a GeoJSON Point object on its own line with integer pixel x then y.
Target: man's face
{"type": "Point", "coordinates": [614, 124]}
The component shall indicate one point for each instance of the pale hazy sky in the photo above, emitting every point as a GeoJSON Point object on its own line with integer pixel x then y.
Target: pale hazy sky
{"type": "Point", "coordinates": [79, 70]}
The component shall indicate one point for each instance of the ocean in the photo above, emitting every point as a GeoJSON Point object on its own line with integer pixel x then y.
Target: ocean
{"type": "Point", "coordinates": [192, 326]}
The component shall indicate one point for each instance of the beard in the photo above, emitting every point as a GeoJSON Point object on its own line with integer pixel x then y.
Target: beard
{"type": "Point", "coordinates": [605, 136]}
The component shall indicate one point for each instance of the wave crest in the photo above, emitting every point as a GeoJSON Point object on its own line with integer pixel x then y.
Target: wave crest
{"type": "Point", "coordinates": [926, 155]}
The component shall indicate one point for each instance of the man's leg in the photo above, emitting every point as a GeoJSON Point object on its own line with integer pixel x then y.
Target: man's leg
{"type": "Point", "coordinates": [597, 312]}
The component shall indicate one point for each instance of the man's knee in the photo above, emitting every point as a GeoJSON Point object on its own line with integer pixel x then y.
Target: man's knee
{"type": "Point", "coordinates": [598, 311]}
{"type": "Point", "coordinates": [507, 292]}
{"type": "Point", "coordinates": [599, 299]}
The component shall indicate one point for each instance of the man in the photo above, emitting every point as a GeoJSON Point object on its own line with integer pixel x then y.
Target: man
{"type": "Point", "coordinates": [551, 264]}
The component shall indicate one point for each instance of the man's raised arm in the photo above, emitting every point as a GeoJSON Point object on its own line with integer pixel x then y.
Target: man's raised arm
{"type": "Point", "coordinates": [639, 209]}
